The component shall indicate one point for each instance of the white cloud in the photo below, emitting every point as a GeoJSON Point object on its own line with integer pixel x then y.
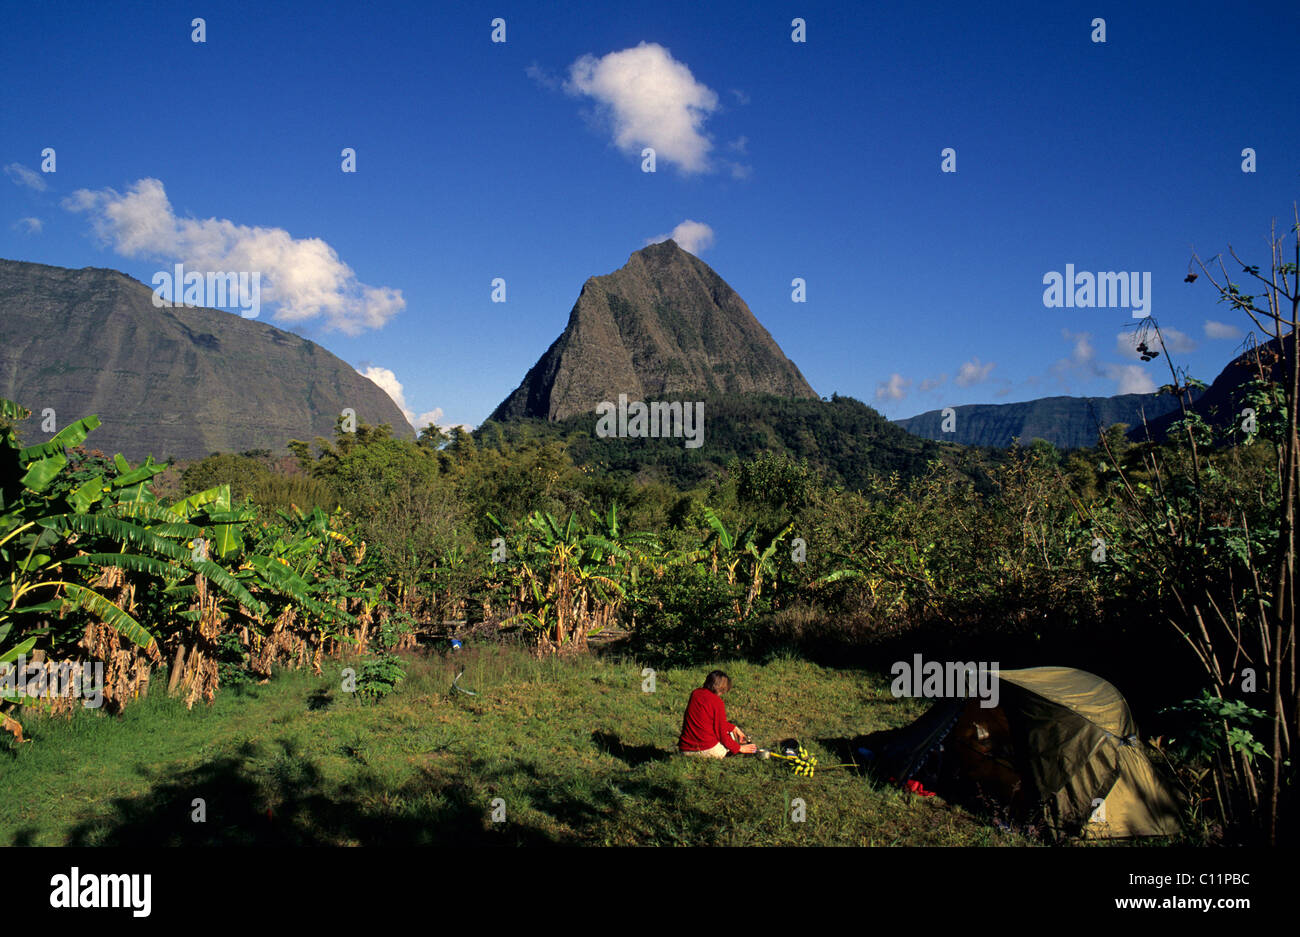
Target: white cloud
{"type": "Point", "coordinates": [1082, 361]}
{"type": "Point", "coordinates": [389, 384]}
{"type": "Point", "coordinates": [23, 176]}
{"type": "Point", "coordinates": [692, 236]}
{"type": "Point", "coordinates": [740, 171]}
{"type": "Point", "coordinates": [933, 383]}
{"type": "Point", "coordinates": [741, 97]}
{"type": "Point", "coordinates": [1131, 379]}
{"type": "Point", "coordinates": [1082, 352]}
{"type": "Point", "coordinates": [1084, 366]}
{"type": "Point", "coordinates": [1221, 330]}
{"type": "Point", "coordinates": [433, 416]}
{"type": "Point", "coordinates": [972, 372]}
{"type": "Point", "coordinates": [893, 389]}
{"type": "Point", "coordinates": [544, 78]}
{"type": "Point", "coordinates": [650, 99]}
{"type": "Point", "coordinates": [1179, 343]}
{"type": "Point", "coordinates": [303, 277]}
{"type": "Point", "coordinates": [29, 225]}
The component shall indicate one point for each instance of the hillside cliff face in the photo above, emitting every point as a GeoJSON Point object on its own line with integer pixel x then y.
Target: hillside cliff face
{"type": "Point", "coordinates": [1066, 422]}
{"type": "Point", "coordinates": [1223, 401]}
{"type": "Point", "coordinates": [664, 327]}
{"type": "Point", "coordinates": [173, 381]}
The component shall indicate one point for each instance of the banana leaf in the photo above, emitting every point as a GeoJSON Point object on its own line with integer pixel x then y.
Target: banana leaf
{"type": "Point", "coordinates": [130, 562]}
{"type": "Point", "coordinates": [180, 531]}
{"type": "Point", "coordinates": [145, 510]}
{"type": "Point", "coordinates": [18, 649]}
{"type": "Point", "coordinates": [85, 496]}
{"type": "Point", "coordinates": [74, 434]}
{"type": "Point", "coordinates": [228, 584]}
{"type": "Point", "coordinates": [43, 471]}
{"type": "Point", "coordinates": [109, 613]}
{"type": "Point", "coordinates": [143, 473]}
{"type": "Point", "coordinates": [121, 531]}
{"type": "Point", "coordinates": [219, 496]}
{"type": "Point", "coordinates": [13, 411]}
{"type": "Point", "coordinates": [227, 539]}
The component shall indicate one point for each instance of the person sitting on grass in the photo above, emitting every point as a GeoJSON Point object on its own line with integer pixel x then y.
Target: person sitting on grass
{"type": "Point", "coordinates": [705, 729]}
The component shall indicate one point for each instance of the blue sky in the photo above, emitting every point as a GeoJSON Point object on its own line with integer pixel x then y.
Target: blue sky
{"type": "Point", "coordinates": [520, 160]}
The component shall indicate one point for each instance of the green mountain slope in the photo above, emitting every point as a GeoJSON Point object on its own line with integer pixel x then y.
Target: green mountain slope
{"type": "Point", "coordinates": [843, 437]}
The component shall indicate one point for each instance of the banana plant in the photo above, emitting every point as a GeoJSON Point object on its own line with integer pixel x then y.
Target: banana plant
{"type": "Point", "coordinates": [58, 526]}
{"type": "Point", "coordinates": [39, 521]}
{"type": "Point", "coordinates": [869, 570]}
{"type": "Point", "coordinates": [727, 549]}
{"type": "Point", "coordinates": [763, 562]}
{"type": "Point", "coordinates": [564, 587]}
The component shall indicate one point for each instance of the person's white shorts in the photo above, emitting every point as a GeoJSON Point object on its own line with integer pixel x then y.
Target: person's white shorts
{"type": "Point", "coordinates": [717, 751]}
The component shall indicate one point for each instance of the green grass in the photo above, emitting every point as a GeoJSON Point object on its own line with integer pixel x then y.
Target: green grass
{"type": "Point", "coordinates": [574, 748]}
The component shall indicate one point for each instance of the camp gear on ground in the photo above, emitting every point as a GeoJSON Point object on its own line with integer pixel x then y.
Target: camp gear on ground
{"type": "Point", "coordinates": [801, 761]}
{"type": "Point", "coordinates": [916, 788]}
{"type": "Point", "coordinates": [456, 684]}
{"type": "Point", "coordinates": [1060, 740]}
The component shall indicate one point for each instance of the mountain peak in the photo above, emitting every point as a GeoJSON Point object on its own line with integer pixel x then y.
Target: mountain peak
{"type": "Point", "coordinates": [664, 326]}
{"type": "Point", "coordinates": [665, 248]}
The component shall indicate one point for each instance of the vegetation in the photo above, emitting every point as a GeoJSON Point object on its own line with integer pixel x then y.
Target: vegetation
{"type": "Point", "coordinates": [809, 529]}
{"type": "Point", "coordinates": [573, 749]}
{"type": "Point", "coordinates": [848, 439]}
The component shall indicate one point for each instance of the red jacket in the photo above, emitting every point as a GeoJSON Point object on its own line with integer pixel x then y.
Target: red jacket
{"type": "Point", "coordinates": [705, 724]}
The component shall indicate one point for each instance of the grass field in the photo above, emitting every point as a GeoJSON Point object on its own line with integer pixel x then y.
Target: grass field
{"type": "Point", "coordinates": [574, 749]}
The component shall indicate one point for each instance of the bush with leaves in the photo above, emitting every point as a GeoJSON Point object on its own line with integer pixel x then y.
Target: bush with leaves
{"type": "Point", "coordinates": [687, 615]}
{"type": "Point", "coordinates": [377, 676]}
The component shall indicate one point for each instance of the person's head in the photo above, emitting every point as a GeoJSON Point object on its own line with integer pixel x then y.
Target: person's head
{"type": "Point", "coordinates": [718, 682]}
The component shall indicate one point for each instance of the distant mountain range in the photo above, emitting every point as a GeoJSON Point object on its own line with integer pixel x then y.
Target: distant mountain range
{"type": "Point", "coordinates": [188, 381]}
{"type": "Point", "coordinates": [181, 381]}
{"type": "Point", "coordinates": [1065, 422]}
{"type": "Point", "coordinates": [664, 327]}
{"type": "Point", "coordinates": [1074, 422]}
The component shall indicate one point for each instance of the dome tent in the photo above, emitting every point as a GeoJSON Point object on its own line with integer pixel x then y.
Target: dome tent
{"type": "Point", "coordinates": [1060, 739]}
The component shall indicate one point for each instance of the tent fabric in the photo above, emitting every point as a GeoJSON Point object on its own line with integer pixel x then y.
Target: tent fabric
{"type": "Point", "coordinates": [1079, 691]}
{"type": "Point", "coordinates": [1075, 737]}
{"type": "Point", "coordinates": [912, 745]}
{"type": "Point", "coordinates": [1138, 805]}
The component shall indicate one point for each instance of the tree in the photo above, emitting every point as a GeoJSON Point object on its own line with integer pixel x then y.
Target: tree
{"type": "Point", "coordinates": [1279, 318]}
{"type": "Point", "coordinates": [1211, 514]}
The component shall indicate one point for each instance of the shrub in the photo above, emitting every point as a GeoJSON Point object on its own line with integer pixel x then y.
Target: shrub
{"type": "Point", "coordinates": [232, 661]}
{"type": "Point", "coordinates": [687, 616]}
{"type": "Point", "coordinates": [377, 676]}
